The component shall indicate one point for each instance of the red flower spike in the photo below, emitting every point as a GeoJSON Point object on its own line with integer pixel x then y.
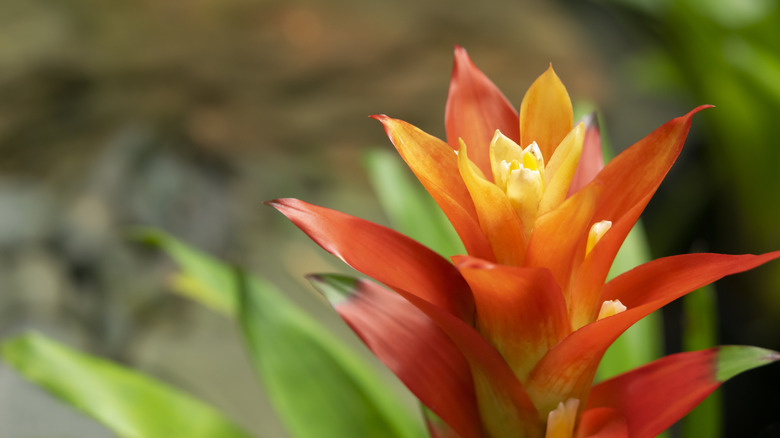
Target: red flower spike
{"type": "Point", "coordinates": [383, 254]}
{"type": "Point", "coordinates": [416, 350]}
{"type": "Point", "coordinates": [475, 109]}
{"type": "Point", "coordinates": [542, 238]}
{"type": "Point", "coordinates": [521, 311]}
{"type": "Point", "coordinates": [436, 166]}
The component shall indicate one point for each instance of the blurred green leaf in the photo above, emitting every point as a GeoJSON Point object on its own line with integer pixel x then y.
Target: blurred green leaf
{"type": "Point", "coordinates": [203, 278]}
{"type": "Point", "coordinates": [336, 288]}
{"type": "Point", "coordinates": [736, 359]}
{"type": "Point", "coordinates": [317, 385]}
{"type": "Point", "coordinates": [127, 402]}
{"type": "Point", "coordinates": [700, 332]}
{"type": "Point", "coordinates": [701, 319]}
{"type": "Point", "coordinates": [410, 208]}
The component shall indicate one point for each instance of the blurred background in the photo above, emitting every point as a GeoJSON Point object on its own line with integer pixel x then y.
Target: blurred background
{"type": "Point", "coordinates": [188, 115]}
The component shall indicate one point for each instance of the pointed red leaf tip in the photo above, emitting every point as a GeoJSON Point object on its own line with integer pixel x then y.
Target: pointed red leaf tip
{"type": "Point", "coordinates": [383, 254]}
{"type": "Point", "coordinates": [639, 170]}
{"type": "Point", "coordinates": [475, 109]}
{"type": "Point", "coordinates": [415, 350]}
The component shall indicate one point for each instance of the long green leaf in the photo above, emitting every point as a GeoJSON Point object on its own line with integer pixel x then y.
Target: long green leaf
{"type": "Point", "coordinates": [129, 403]}
{"type": "Point", "coordinates": [700, 332]}
{"type": "Point", "coordinates": [317, 385]}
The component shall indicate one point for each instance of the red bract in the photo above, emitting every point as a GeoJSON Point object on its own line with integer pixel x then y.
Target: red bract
{"type": "Point", "coordinates": [506, 340]}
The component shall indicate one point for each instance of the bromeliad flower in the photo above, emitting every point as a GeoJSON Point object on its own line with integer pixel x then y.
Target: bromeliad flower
{"type": "Point", "coordinates": [506, 340]}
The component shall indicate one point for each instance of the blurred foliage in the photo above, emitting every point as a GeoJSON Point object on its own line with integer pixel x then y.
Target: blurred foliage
{"type": "Point", "coordinates": [700, 331]}
{"type": "Point", "coordinates": [318, 386]}
{"type": "Point", "coordinates": [725, 53]}
{"type": "Point", "coordinates": [129, 403]}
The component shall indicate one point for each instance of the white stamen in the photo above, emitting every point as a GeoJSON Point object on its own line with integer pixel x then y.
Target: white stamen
{"type": "Point", "coordinates": [611, 307]}
{"type": "Point", "coordinates": [561, 420]}
{"type": "Point", "coordinates": [597, 231]}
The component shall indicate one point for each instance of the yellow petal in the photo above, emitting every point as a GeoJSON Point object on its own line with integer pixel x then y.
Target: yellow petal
{"type": "Point", "coordinates": [503, 151]}
{"type": "Point", "coordinates": [561, 168]}
{"type": "Point", "coordinates": [546, 114]}
{"type": "Point", "coordinates": [524, 189]}
{"type": "Point", "coordinates": [497, 218]}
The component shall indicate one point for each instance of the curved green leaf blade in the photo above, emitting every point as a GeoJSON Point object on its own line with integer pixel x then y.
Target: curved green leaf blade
{"type": "Point", "coordinates": [320, 388]}
{"type": "Point", "coordinates": [203, 278]}
{"type": "Point", "coordinates": [736, 359]}
{"type": "Point", "coordinates": [129, 403]}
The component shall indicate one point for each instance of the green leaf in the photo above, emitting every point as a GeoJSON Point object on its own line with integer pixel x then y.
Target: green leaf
{"type": "Point", "coordinates": [335, 287]}
{"type": "Point", "coordinates": [736, 359]}
{"type": "Point", "coordinates": [129, 403]}
{"type": "Point", "coordinates": [409, 207]}
{"type": "Point", "coordinates": [700, 332]}
{"type": "Point", "coordinates": [203, 278]}
{"type": "Point", "coordinates": [319, 387]}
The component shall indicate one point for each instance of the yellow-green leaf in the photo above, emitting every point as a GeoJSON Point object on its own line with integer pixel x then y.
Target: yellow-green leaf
{"type": "Point", "coordinates": [129, 403]}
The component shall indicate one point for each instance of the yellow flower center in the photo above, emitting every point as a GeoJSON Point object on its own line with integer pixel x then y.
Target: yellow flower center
{"type": "Point", "coordinates": [520, 174]}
